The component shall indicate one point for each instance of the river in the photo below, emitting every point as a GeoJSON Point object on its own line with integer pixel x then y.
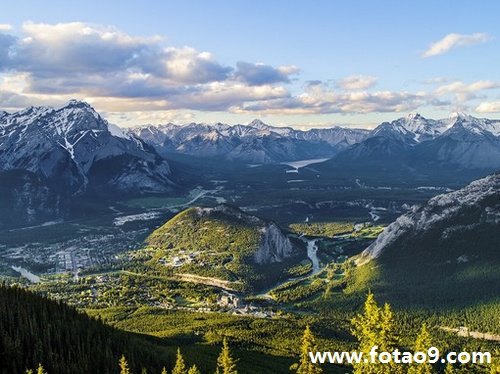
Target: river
{"type": "Point", "coordinates": [312, 253]}
{"type": "Point", "coordinates": [27, 274]}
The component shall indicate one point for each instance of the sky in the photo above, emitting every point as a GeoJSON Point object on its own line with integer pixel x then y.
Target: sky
{"type": "Point", "coordinates": [301, 63]}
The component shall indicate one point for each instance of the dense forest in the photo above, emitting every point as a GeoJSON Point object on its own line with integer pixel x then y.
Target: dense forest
{"type": "Point", "coordinates": [36, 330]}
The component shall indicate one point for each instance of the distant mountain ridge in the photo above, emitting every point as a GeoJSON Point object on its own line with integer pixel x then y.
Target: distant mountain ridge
{"type": "Point", "coordinates": [406, 143]}
{"type": "Point", "coordinates": [256, 142]}
{"type": "Point", "coordinates": [416, 145]}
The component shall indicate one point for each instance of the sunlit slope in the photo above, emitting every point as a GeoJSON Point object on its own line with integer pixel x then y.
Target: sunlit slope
{"type": "Point", "coordinates": [236, 250]}
{"type": "Point", "coordinates": [443, 254]}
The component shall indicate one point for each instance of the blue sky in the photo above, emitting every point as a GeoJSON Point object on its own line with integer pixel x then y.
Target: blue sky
{"type": "Point", "coordinates": [301, 63]}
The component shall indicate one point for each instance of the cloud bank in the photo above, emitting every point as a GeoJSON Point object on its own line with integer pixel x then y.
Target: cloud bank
{"type": "Point", "coordinates": [45, 64]}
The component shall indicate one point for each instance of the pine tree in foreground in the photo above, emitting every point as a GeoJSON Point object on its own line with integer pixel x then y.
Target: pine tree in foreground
{"type": "Point", "coordinates": [164, 371]}
{"type": "Point", "coordinates": [422, 344]}
{"type": "Point", "coordinates": [375, 327]}
{"type": "Point", "coordinates": [40, 370]}
{"type": "Point", "coordinates": [495, 363]}
{"type": "Point", "coordinates": [226, 364]}
{"type": "Point", "coordinates": [194, 370]}
{"type": "Point", "coordinates": [180, 366]}
{"type": "Point", "coordinates": [305, 366]}
{"type": "Point", "coordinates": [124, 369]}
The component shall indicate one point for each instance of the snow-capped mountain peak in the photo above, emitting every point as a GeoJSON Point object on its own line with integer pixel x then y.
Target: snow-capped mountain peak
{"type": "Point", "coordinates": [477, 126]}
{"type": "Point", "coordinates": [414, 128]}
{"type": "Point", "coordinates": [65, 145]}
{"type": "Point", "coordinates": [460, 116]}
{"type": "Point", "coordinates": [258, 124]}
{"type": "Point", "coordinates": [414, 116]}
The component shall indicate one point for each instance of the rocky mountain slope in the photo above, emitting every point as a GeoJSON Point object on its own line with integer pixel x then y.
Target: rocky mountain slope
{"type": "Point", "coordinates": [74, 150]}
{"type": "Point", "coordinates": [222, 243]}
{"type": "Point", "coordinates": [442, 253]}
{"type": "Point", "coordinates": [455, 212]}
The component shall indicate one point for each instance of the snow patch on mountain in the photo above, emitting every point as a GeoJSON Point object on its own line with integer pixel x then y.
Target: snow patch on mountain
{"type": "Point", "coordinates": [66, 146]}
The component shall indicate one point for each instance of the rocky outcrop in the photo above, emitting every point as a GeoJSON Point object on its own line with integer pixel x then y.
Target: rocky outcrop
{"type": "Point", "coordinates": [477, 203]}
{"type": "Point", "coordinates": [274, 246]}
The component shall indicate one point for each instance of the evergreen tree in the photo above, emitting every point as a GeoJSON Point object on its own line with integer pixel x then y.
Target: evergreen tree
{"type": "Point", "coordinates": [226, 364]}
{"type": "Point", "coordinates": [194, 370]}
{"type": "Point", "coordinates": [388, 337]}
{"type": "Point", "coordinates": [180, 365]}
{"type": "Point", "coordinates": [164, 371]}
{"type": "Point", "coordinates": [495, 363]}
{"type": "Point", "coordinates": [40, 369]}
{"type": "Point", "coordinates": [124, 369]}
{"type": "Point", "coordinates": [63, 339]}
{"type": "Point", "coordinates": [305, 366]}
{"type": "Point", "coordinates": [375, 327]}
{"type": "Point", "coordinates": [422, 344]}
{"type": "Point", "coordinates": [449, 369]}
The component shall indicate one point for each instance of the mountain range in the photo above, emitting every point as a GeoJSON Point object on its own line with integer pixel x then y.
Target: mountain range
{"type": "Point", "coordinates": [256, 142]}
{"type": "Point", "coordinates": [73, 145]}
{"type": "Point", "coordinates": [407, 143]}
{"type": "Point", "coordinates": [48, 155]}
{"type": "Point", "coordinates": [414, 142]}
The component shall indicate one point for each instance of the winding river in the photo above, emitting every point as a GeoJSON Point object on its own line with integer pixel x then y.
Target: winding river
{"type": "Point", "coordinates": [312, 253]}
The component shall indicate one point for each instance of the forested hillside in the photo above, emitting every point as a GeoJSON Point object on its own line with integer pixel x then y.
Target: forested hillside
{"type": "Point", "coordinates": [36, 330]}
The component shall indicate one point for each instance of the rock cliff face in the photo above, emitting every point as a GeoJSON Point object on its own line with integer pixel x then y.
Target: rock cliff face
{"type": "Point", "coordinates": [274, 246]}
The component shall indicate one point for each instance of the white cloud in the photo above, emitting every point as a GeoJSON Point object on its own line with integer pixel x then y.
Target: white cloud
{"type": "Point", "coordinates": [318, 99]}
{"type": "Point", "coordinates": [5, 27]}
{"type": "Point", "coordinates": [488, 107]}
{"type": "Point", "coordinates": [463, 91]}
{"type": "Point", "coordinates": [454, 40]}
{"type": "Point", "coordinates": [357, 82]}
{"type": "Point", "coordinates": [95, 61]}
